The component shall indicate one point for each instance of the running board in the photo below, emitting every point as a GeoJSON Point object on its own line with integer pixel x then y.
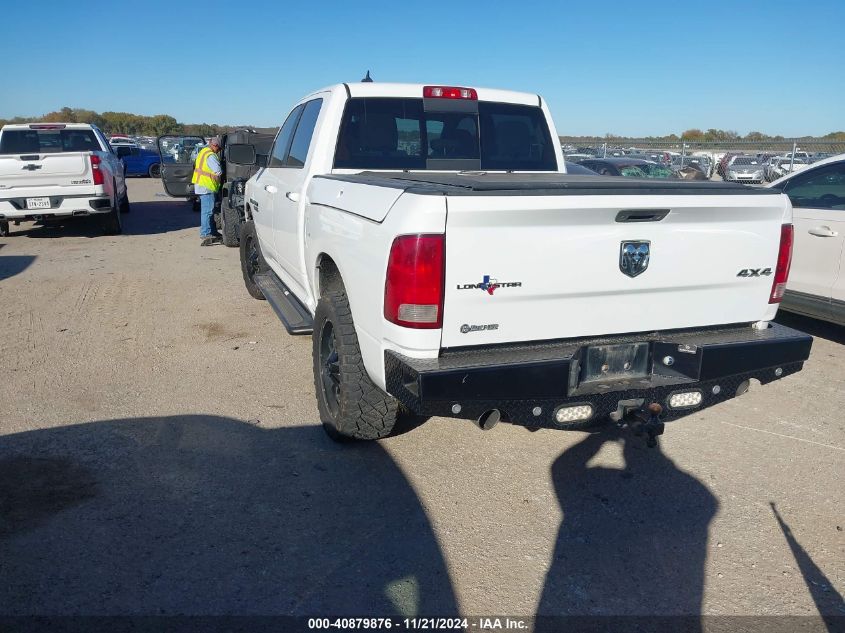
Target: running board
{"type": "Point", "coordinates": [293, 315]}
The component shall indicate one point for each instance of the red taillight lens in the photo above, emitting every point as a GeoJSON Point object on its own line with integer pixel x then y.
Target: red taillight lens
{"type": "Point", "coordinates": [95, 169]}
{"type": "Point", "coordinates": [413, 292]}
{"type": "Point", "coordinates": [449, 92]}
{"type": "Point", "coordinates": [784, 261]}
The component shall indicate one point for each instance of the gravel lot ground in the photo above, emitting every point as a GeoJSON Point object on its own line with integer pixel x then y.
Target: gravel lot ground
{"type": "Point", "coordinates": [160, 452]}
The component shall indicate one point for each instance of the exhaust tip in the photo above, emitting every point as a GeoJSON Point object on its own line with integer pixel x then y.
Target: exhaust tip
{"type": "Point", "coordinates": [488, 419]}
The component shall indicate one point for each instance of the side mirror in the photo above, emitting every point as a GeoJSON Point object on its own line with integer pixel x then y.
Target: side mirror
{"type": "Point", "coordinates": [241, 154]}
{"type": "Point", "coordinates": [261, 160]}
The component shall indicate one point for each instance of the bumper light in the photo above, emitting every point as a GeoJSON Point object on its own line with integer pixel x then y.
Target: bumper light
{"type": "Point", "coordinates": [573, 414]}
{"type": "Point", "coordinates": [685, 400]}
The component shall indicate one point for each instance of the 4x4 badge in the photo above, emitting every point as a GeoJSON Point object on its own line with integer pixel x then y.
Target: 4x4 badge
{"type": "Point", "coordinates": [634, 257]}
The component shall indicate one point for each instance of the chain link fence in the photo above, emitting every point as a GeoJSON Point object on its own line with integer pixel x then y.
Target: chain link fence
{"type": "Point", "coordinates": [737, 160]}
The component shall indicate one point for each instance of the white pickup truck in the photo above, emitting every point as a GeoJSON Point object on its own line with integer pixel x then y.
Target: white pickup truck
{"type": "Point", "coordinates": [51, 171]}
{"type": "Point", "coordinates": [428, 239]}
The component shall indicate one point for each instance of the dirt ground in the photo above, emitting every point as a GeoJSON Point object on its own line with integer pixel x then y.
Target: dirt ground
{"type": "Point", "coordinates": [160, 453]}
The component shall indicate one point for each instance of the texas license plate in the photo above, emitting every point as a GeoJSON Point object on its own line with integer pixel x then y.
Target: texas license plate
{"type": "Point", "coordinates": [38, 203]}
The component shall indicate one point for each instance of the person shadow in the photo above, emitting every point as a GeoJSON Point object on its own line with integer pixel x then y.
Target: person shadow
{"type": "Point", "coordinates": [633, 539]}
{"type": "Point", "coordinates": [206, 515]}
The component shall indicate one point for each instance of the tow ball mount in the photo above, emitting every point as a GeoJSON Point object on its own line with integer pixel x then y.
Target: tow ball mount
{"type": "Point", "coordinates": [646, 421]}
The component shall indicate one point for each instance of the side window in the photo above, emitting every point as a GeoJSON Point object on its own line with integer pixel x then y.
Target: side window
{"type": "Point", "coordinates": [821, 188]}
{"type": "Point", "coordinates": [304, 131]}
{"type": "Point", "coordinates": [280, 147]}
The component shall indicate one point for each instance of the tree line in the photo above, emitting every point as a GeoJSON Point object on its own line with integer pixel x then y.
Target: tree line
{"type": "Point", "coordinates": [126, 123]}
{"type": "Point", "coordinates": [715, 135]}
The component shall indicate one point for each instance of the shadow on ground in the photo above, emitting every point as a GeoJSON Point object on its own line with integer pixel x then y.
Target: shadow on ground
{"type": "Point", "coordinates": [209, 515]}
{"type": "Point", "coordinates": [633, 540]}
{"type": "Point", "coordinates": [11, 265]}
{"type": "Point", "coordinates": [146, 218]}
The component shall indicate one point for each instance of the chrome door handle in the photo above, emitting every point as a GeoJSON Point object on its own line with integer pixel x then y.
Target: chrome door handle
{"type": "Point", "coordinates": [270, 188]}
{"type": "Point", "coordinates": [292, 196]}
{"type": "Point", "coordinates": [822, 231]}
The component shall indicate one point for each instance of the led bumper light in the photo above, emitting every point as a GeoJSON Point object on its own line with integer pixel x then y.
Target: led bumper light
{"type": "Point", "coordinates": [685, 400]}
{"type": "Point", "coordinates": [573, 414]}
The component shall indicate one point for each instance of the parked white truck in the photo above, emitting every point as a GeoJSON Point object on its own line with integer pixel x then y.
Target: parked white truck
{"type": "Point", "coordinates": [52, 171]}
{"type": "Point", "coordinates": [428, 240]}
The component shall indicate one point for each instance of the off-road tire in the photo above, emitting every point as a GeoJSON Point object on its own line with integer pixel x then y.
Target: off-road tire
{"type": "Point", "coordinates": [363, 411]}
{"type": "Point", "coordinates": [251, 262]}
{"type": "Point", "coordinates": [5, 231]}
{"type": "Point", "coordinates": [111, 222]}
{"type": "Point", "coordinates": [154, 171]}
{"type": "Point", "coordinates": [230, 220]}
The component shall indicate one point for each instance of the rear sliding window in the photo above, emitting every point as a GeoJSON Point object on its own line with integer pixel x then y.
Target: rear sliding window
{"type": "Point", "coordinates": [394, 133]}
{"type": "Point", "coordinates": [47, 141]}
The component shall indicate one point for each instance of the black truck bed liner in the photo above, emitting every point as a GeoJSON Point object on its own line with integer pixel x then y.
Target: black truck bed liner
{"type": "Point", "coordinates": [542, 184]}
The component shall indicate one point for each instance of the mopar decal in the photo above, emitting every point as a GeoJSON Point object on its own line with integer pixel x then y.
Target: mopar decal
{"type": "Point", "coordinates": [490, 285]}
{"type": "Point", "coordinates": [466, 328]}
{"type": "Point", "coordinates": [84, 181]}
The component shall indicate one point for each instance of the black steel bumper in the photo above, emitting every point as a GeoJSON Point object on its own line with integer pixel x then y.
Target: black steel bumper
{"type": "Point", "coordinates": [528, 382]}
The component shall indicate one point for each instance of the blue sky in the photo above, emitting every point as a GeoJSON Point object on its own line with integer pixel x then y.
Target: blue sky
{"type": "Point", "coordinates": [641, 68]}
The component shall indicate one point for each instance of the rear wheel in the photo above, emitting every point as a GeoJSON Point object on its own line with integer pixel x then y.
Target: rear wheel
{"type": "Point", "coordinates": [124, 203]}
{"type": "Point", "coordinates": [5, 231]}
{"type": "Point", "coordinates": [154, 171]}
{"type": "Point", "coordinates": [351, 405]}
{"type": "Point", "coordinates": [252, 262]}
{"type": "Point", "coordinates": [231, 223]}
{"type": "Point", "coordinates": [111, 222]}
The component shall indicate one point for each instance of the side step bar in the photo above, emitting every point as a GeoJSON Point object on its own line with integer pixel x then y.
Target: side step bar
{"type": "Point", "coordinates": [293, 315]}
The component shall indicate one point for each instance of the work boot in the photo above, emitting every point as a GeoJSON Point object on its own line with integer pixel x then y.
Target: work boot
{"type": "Point", "coordinates": [211, 240]}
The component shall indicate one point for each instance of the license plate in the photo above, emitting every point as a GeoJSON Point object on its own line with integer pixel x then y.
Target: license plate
{"type": "Point", "coordinates": [38, 203]}
{"type": "Point", "coordinates": [614, 362]}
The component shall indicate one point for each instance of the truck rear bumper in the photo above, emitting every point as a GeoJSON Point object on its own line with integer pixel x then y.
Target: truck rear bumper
{"type": "Point", "coordinates": [528, 383]}
{"type": "Point", "coordinates": [60, 206]}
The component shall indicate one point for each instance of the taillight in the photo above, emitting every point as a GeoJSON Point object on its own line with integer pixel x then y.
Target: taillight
{"type": "Point", "coordinates": [784, 261]}
{"type": "Point", "coordinates": [449, 92]}
{"type": "Point", "coordinates": [413, 291]}
{"type": "Point", "coordinates": [95, 169]}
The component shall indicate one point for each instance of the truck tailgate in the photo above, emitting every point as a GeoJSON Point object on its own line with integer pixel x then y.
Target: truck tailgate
{"type": "Point", "coordinates": [535, 267]}
{"type": "Point", "coordinates": [32, 171]}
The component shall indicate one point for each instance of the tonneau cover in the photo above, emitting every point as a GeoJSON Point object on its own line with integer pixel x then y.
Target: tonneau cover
{"type": "Point", "coordinates": [542, 184]}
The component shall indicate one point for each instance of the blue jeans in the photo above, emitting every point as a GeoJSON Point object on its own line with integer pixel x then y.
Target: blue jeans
{"type": "Point", "coordinates": [207, 215]}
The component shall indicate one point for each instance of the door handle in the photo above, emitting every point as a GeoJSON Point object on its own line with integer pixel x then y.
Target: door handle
{"type": "Point", "coordinates": [822, 231]}
{"type": "Point", "coordinates": [292, 196]}
{"type": "Point", "coordinates": [270, 188]}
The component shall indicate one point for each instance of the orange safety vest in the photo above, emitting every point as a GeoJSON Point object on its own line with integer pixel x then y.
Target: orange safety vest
{"type": "Point", "coordinates": [202, 176]}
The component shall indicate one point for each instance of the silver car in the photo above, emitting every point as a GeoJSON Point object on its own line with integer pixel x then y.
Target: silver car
{"type": "Point", "coordinates": [744, 169]}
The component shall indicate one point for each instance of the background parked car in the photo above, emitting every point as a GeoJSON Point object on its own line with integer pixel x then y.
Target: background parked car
{"type": "Point", "coordinates": [628, 167]}
{"type": "Point", "coordinates": [816, 284]}
{"type": "Point", "coordinates": [581, 170]}
{"type": "Point", "coordinates": [138, 161]}
{"type": "Point", "coordinates": [701, 163]}
{"type": "Point", "coordinates": [783, 166]}
{"type": "Point", "coordinates": [744, 169]}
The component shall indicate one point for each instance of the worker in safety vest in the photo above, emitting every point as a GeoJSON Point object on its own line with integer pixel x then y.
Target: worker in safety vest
{"type": "Point", "coordinates": [206, 179]}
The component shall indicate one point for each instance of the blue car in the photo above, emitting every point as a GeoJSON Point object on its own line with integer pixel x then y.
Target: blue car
{"type": "Point", "coordinates": [138, 161]}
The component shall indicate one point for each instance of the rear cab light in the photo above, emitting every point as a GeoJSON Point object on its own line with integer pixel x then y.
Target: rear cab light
{"type": "Point", "coordinates": [783, 264]}
{"type": "Point", "coordinates": [415, 281]}
{"type": "Point", "coordinates": [47, 126]}
{"type": "Point", "coordinates": [449, 92]}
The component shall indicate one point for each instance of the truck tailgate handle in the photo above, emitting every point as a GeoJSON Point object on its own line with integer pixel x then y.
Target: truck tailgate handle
{"type": "Point", "coordinates": [642, 215]}
{"type": "Point", "coordinates": [822, 231]}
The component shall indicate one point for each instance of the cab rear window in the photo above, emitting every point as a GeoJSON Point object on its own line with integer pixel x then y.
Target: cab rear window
{"type": "Point", "coordinates": [396, 133]}
{"type": "Point", "coordinates": [47, 141]}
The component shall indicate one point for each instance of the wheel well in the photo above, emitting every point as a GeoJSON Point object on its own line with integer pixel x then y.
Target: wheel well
{"type": "Point", "coordinates": [328, 275]}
